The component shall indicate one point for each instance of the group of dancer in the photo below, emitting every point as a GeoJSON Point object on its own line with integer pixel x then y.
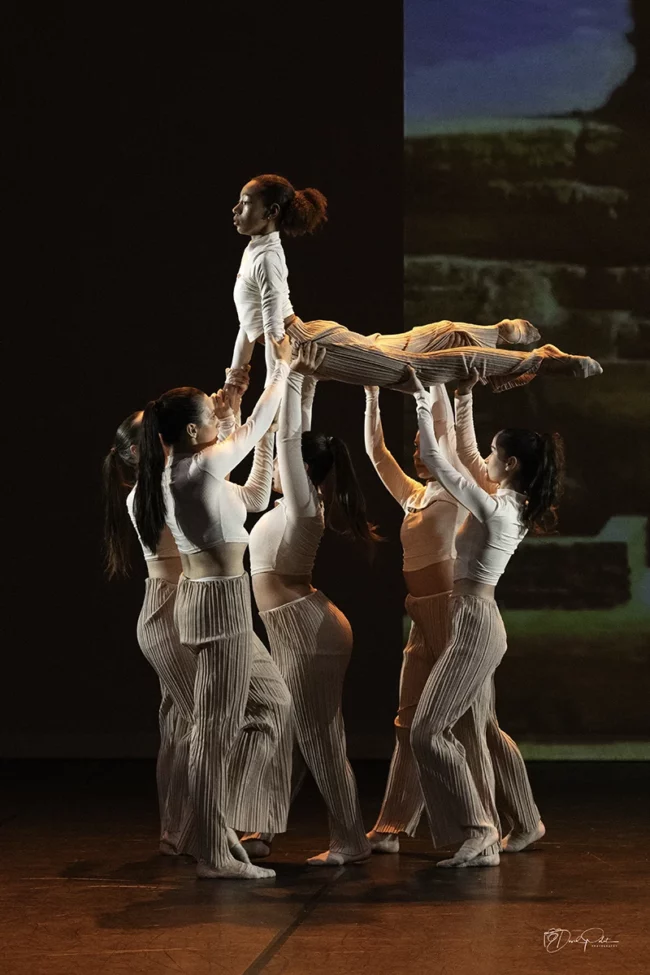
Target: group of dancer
{"type": "Point", "coordinates": [240, 725]}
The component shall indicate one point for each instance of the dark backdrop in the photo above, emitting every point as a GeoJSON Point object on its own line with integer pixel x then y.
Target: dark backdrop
{"type": "Point", "coordinates": [134, 133]}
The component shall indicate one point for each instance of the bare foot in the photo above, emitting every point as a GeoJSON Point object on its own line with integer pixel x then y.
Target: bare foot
{"type": "Point", "coordinates": [383, 842]}
{"type": "Point", "coordinates": [515, 842]}
{"type": "Point", "coordinates": [233, 870]}
{"type": "Point", "coordinates": [517, 331]}
{"type": "Point", "coordinates": [560, 363]}
{"type": "Point", "coordinates": [329, 859]}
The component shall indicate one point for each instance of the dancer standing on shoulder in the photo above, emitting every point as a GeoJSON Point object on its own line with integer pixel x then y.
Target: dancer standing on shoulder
{"type": "Point", "coordinates": [309, 637]}
{"type": "Point", "coordinates": [516, 489]}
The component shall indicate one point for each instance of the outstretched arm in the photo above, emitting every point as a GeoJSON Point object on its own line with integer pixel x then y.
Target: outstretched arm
{"type": "Point", "coordinates": [256, 492]}
{"type": "Point", "coordinates": [468, 452]}
{"type": "Point", "coordinates": [400, 485]}
{"type": "Point", "coordinates": [466, 492]}
{"type": "Point", "coordinates": [298, 490]}
{"type": "Point", "coordinates": [220, 458]}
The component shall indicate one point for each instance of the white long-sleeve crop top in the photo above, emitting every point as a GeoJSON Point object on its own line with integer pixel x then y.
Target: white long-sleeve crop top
{"type": "Point", "coordinates": [431, 515]}
{"type": "Point", "coordinates": [494, 527]}
{"type": "Point", "coordinates": [166, 548]}
{"type": "Point", "coordinates": [203, 508]}
{"type": "Point", "coordinates": [285, 540]}
{"type": "Point", "coordinates": [262, 288]}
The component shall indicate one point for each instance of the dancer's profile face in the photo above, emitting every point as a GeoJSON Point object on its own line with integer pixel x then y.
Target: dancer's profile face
{"type": "Point", "coordinates": [205, 431]}
{"type": "Point", "coordinates": [250, 215]}
{"type": "Point", "coordinates": [500, 468]}
{"type": "Point", "coordinates": [421, 468]}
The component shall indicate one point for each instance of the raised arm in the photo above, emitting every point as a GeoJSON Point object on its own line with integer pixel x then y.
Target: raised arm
{"type": "Point", "coordinates": [296, 486]}
{"type": "Point", "coordinates": [307, 402]}
{"type": "Point", "coordinates": [270, 277]}
{"type": "Point", "coordinates": [466, 446]}
{"type": "Point", "coordinates": [256, 492]}
{"type": "Point", "coordinates": [220, 458]}
{"type": "Point", "coordinates": [400, 485]}
{"type": "Point", "coordinates": [466, 492]}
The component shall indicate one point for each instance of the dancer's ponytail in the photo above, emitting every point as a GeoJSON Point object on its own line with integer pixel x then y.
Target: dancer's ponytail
{"type": "Point", "coordinates": [299, 211]}
{"type": "Point", "coordinates": [541, 474]}
{"type": "Point", "coordinates": [163, 421]}
{"type": "Point", "coordinates": [119, 471]}
{"type": "Point", "coordinates": [324, 455]}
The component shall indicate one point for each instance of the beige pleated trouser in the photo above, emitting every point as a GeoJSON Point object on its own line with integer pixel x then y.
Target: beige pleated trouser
{"type": "Point", "coordinates": [311, 642]}
{"type": "Point", "coordinates": [403, 800]}
{"type": "Point", "coordinates": [439, 352]}
{"type": "Point", "coordinates": [175, 667]}
{"type": "Point", "coordinates": [455, 767]}
{"type": "Point", "coordinates": [241, 708]}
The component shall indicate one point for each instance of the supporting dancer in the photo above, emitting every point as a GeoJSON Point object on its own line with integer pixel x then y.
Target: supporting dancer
{"type": "Point", "coordinates": [309, 637]}
{"type": "Point", "coordinates": [440, 351]}
{"type": "Point", "coordinates": [431, 518]}
{"type": "Point", "coordinates": [516, 489]}
{"type": "Point", "coordinates": [205, 513]}
{"type": "Point", "coordinates": [174, 664]}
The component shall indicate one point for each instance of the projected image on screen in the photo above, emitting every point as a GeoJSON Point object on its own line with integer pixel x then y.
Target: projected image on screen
{"type": "Point", "coordinates": [527, 149]}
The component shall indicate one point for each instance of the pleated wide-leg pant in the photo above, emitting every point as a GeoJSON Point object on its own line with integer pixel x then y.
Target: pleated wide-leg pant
{"type": "Point", "coordinates": [439, 352]}
{"type": "Point", "coordinates": [175, 667]}
{"type": "Point", "coordinates": [455, 767]}
{"type": "Point", "coordinates": [403, 800]}
{"type": "Point", "coordinates": [237, 724]}
{"type": "Point", "coordinates": [311, 642]}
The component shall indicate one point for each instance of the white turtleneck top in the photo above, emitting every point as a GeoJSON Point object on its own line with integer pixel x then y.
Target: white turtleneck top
{"type": "Point", "coordinates": [262, 290]}
{"type": "Point", "coordinates": [493, 529]}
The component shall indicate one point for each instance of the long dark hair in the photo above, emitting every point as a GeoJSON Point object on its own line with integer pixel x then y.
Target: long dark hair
{"type": "Point", "coordinates": [301, 211]}
{"type": "Point", "coordinates": [324, 455]}
{"type": "Point", "coordinates": [166, 418]}
{"type": "Point", "coordinates": [119, 472]}
{"type": "Point", "coordinates": [541, 474]}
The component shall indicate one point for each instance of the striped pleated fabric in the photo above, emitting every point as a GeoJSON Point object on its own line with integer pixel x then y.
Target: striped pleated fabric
{"type": "Point", "coordinates": [233, 740]}
{"type": "Point", "coordinates": [378, 360]}
{"type": "Point", "coordinates": [454, 766]}
{"type": "Point", "coordinates": [403, 800]}
{"type": "Point", "coordinates": [514, 795]}
{"type": "Point", "coordinates": [260, 763]}
{"type": "Point", "coordinates": [311, 642]}
{"type": "Point", "coordinates": [176, 667]}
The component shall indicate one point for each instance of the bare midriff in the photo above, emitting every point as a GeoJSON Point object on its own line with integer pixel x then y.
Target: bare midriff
{"type": "Point", "coordinates": [272, 589]}
{"type": "Point", "coordinates": [431, 580]}
{"type": "Point", "coordinates": [166, 569]}
{"type": "Point", "coordinates": [468, 587]}
{"type": "Point", "coordinates": [224, 559]}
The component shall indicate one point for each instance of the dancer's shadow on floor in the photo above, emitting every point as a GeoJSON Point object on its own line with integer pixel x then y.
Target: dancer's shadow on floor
{"type": "Point", "coordinates": [347, 894]}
